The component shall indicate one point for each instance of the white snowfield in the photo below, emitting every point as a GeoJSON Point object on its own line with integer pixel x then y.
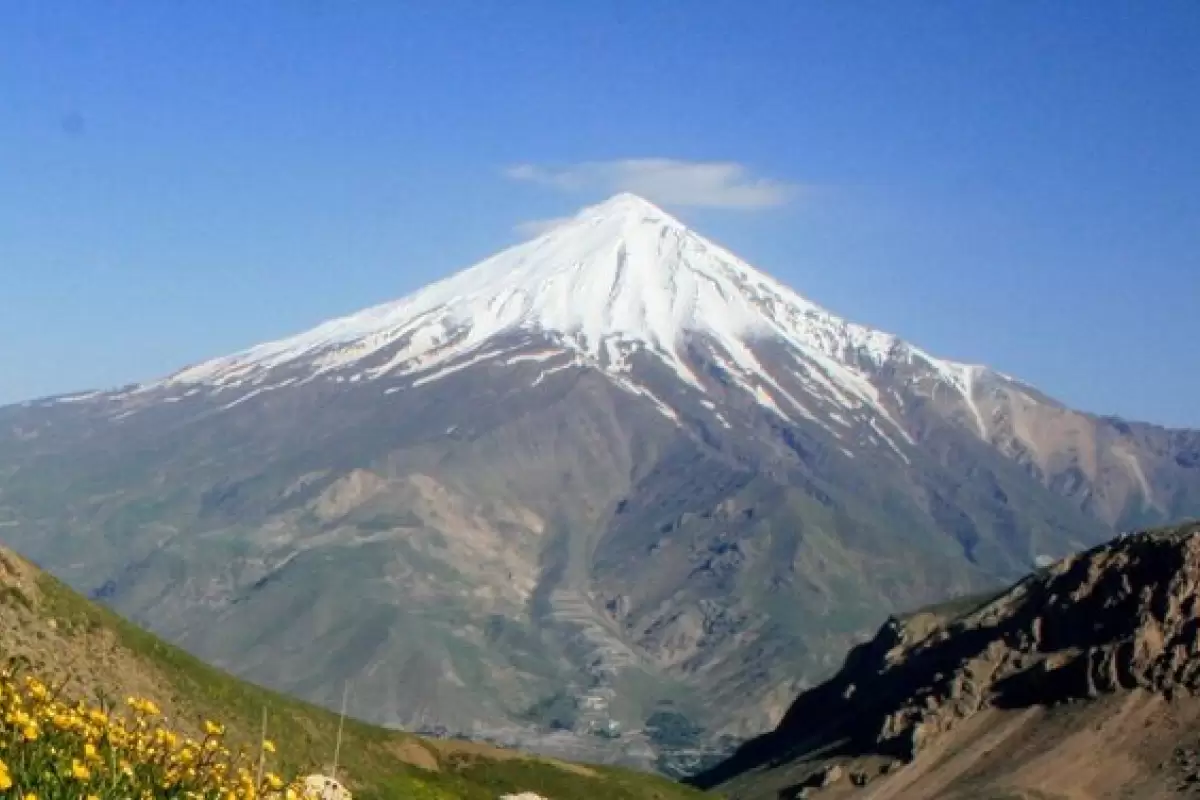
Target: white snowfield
{"type": "Point", "coordinates": [620, 278]}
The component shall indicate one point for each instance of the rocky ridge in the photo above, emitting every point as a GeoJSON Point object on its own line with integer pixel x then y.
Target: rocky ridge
{"type": "Point", "coordinates": [1120, 619]}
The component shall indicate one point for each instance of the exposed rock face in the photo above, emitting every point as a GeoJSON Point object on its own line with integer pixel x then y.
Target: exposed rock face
{"type": "Point", "coordinates": [1122, 617]}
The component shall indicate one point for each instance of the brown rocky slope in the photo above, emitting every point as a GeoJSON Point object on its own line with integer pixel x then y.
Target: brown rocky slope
{"type": "Point", "coordinates": [1080, 681]}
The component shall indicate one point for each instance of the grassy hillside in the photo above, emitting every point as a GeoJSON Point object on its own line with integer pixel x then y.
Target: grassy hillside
{"type": "Point", "coordinates": [96, 656]}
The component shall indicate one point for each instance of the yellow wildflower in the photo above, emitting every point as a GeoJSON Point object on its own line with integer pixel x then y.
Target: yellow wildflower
{"type": "Point", "coordinates": [94, 746]}
{"type": "Point", "coordinates": [37, 689]}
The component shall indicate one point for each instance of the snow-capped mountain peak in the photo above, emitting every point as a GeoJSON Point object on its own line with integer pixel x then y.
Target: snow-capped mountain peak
{"type": "Point", "coordinates": [620, 277]}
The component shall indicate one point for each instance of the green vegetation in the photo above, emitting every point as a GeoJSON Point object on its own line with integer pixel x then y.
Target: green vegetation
{"type": "Point", "coordinates": [53, 750]}
{"type": "Point", "coordinates": [374, 762]}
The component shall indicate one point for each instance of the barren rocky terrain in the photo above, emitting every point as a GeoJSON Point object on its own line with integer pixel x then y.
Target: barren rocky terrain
{"type": "Point", "coordinates": [1081, 681]}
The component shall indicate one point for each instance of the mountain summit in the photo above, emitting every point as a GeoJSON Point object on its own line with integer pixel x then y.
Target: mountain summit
{"type": "Point", "coordinates": [619, 276]}
{"type": "Point", "coordinates": [610, 493]}
{"type": "Point", "coordinates": [620, 281]}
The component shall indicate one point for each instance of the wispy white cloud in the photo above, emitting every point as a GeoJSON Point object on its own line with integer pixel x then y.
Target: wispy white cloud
{"type": "Point", "coordinates": [536, 227]}
{"type": "Point", "coordinates": [706, 184]}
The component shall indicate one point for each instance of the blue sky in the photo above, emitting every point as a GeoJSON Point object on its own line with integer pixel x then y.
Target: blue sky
{"type": "Point", "coordinates": [1010, 183]}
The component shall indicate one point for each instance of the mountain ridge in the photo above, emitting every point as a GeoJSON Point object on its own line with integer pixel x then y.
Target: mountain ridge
{"type": "Point", "coordinates": [581, 531]}
{"type": "Point", "coordinates": [620, 277]}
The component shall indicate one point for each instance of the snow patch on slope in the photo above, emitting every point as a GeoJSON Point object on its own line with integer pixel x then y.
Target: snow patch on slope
{"type": "Point", "coordinates": [457, 366]}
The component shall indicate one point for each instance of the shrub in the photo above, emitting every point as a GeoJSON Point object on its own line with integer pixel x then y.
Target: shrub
{"type": "Point", "coordinates": [53, 750]}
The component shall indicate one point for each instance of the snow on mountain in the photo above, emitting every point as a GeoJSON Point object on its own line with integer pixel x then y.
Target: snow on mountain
{"type": "Point", "coordinates": [621, 277]}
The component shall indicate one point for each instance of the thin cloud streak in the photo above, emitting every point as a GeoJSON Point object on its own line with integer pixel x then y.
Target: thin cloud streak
{"type": "Point", "coordinates": [697, 184]}
{"type": "Point", "coordinates": [536, 227]}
